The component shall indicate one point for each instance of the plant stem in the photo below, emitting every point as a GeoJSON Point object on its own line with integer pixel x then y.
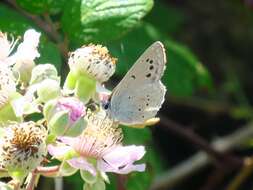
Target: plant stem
{"type": "Point", "coordinates": [201, 159]}
{"type": "Point", "coordinates": [246, 170]}
{"type": "Point", "coordinates": [198, 141]}
{"type": "Point", "coordinates": [31, 183]}
{"type": "Point", "coordinates": [48, 171]}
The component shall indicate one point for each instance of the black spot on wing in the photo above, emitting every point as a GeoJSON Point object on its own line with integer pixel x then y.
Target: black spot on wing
{"type": "Point", "coordinates": [148, 75]}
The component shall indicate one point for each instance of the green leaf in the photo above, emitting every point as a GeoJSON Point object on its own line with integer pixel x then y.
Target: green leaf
{"type": "Point", "coordinates": [16, 25]}
{"type": "Point", "coordinates": [184, 74]}
{"type": "Point", "coordinates": [33, 6]}
{"type": "Point", "coordinates": [41, 6]}
{"type": "Point", "coordinates": [49, 53]}
{"type": "Point", "coordinates": [163, 13]}
{"type": "Point", "coordinates": [75, 181]}
{"type": "Point", "coordinates": [139, 181]}
{"type": "Point", "coordinates": [136, 136]}
{"type": "Point", "coordinates": [102, 20]}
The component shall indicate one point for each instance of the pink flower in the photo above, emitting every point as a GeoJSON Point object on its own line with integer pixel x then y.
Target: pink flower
{"type": "Point", "coordinates": [101, 140]}
{"type": "Point", "coordinates": [75, 107]}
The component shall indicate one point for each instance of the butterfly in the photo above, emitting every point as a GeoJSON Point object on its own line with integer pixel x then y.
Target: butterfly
{"type": "Point", "coordinates": [139, 95]}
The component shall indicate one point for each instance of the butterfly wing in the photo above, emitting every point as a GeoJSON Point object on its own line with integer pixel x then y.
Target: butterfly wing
{"type": "Point", "coordinates": [140, 94]}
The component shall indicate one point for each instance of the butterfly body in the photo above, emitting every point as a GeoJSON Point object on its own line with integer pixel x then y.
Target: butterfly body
{"type": "Point", "coordinates": [140, 94]}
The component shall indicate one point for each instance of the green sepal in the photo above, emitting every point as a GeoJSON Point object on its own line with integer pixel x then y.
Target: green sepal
{"type": "Point", "coordinates": [49, 89]}
{"type": "Point", "coordinates": [58, 123]}
{"type": "Point", "coordinates": [77, 128]}
{"type": "Point", "coordinates": [49, 109]}
{"type": "Point", "coordinates": [7, 112]}
{"type": "Point", "coordinates": [51, 139]}
{"type": "Point", "coordinates": [88, 177]}
{"type": "Point", "coordinates": [70, 81]}
{"type": "Point", "coordinates": [66, 169]}
{"type": "Point", "coordinates": [69, 155]}
{"type": "Point", "coordinates": [85, 88]}
{"type": "Point", "coordinates": [24, 70]}
{"type": "Point", "coordinates": [99, 185]}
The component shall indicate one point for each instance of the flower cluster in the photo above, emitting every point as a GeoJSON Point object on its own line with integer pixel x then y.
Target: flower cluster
{"type": "Point", "coordinates": [73, 127]}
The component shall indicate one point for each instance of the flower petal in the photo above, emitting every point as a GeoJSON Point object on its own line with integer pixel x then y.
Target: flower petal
{"type": "Point", "coordinates": [58, 151]}
{"type": "Point", "coordinates": [121, 159]}
{"type": "Point", "coordinates": [71, 141]}
{"type": "Point", "coordinates": [27, 50]}
{"type": "Point", "coordinates": [83, 164]}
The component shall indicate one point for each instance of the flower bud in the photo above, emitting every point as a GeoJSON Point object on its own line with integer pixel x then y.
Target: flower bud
{"type": "Point", "coordinates": [48, 90]}
{"type": "Point", "coordinates": [42, 72]}
{"type": "Point", "coordinates": [65, 116]}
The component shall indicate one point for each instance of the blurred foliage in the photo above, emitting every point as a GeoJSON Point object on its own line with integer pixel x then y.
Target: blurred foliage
{"type": "Point", "coordinates": [116, 24]}
{"type": "Point", "coordinates": [16, 24]}
{"type": "Point", "coordinates": [102, 20]}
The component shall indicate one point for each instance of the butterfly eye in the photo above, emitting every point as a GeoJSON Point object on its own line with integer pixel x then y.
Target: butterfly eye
{"type": "Point", "coordinates": [106, 105]}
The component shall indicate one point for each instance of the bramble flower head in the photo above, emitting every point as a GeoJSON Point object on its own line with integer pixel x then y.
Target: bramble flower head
{"type": "Point", "coordinates": [89, 65]}
{"type": "Point", "coordinates": [22, 147]}
{"type": "Point", "coordinates": [93, 60]}
{"type": "Point", "coordinates": [101, 140]}
{"type": "Point", "coordinates": [65, 116]}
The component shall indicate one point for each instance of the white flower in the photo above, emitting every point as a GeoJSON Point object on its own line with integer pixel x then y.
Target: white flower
{"type": "Point", "coordinates": [93, 60]}
{"type": "Point", "coordinates": [26, 51]}
{"type": "Point", "coordinates": [7, 80]}
{"type": "Point", "coordinates": [22, 146]}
